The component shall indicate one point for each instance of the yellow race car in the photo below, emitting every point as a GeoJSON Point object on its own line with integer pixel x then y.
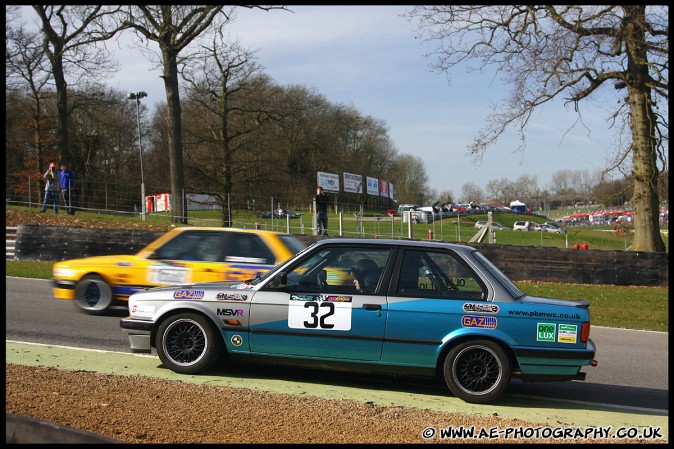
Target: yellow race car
{"type": "Point", "coordinates": [182, 255]}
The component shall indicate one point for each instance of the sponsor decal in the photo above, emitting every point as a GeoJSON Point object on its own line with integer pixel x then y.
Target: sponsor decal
{"type": "Point", "coordinates": [231, 297]}
{"type": "Point", "coordinates": [568, 333]}
{"type": "Point", "coordinates": [320, 312]}
{"type": "Point", "coordinates": [236, 340]}
{"type": "Point", "coordinates": [240, 259]}
{"type": "Point", "coordinates": [188, 294]}
{"type": "Point", "coordinates": [230, 312]}
{"type": "Point", "coordinates": [546, 331]}
{"type": "Point", "coordinates": [484, 322]}
{"type": "Point", "coordinates": [141, 310]}
{"type": "Point", "coordinates": [168, 273]}
{"type": "Point", "coordinates": [243, 286]}
{"type": "Point", "coordinates": [472, 307]}
{"type": "Point", "coordinates": [320, 298]}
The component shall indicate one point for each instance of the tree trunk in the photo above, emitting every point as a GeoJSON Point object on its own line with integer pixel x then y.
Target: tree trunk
{"type": "Point", "coordinates": [178, 194]}
{"type": "Point", "coordinates": [645, 201]}
{"type": "Point", "coordinates": [62, 136]}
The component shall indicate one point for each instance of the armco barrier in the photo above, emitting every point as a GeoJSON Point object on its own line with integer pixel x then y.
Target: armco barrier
{"type": "Point", "coordinates": [532, 263]}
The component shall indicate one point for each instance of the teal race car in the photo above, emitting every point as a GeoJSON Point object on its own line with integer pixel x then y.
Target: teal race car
{"type": "Point", "coordinates": [403, 307]}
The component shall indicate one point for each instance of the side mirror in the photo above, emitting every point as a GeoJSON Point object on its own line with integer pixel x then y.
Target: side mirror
{"type": "Point", "coordinates": [280, 280]}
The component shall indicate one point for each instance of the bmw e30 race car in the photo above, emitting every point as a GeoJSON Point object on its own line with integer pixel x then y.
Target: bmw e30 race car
{"type": "Point", "coordinates": [402, 307]}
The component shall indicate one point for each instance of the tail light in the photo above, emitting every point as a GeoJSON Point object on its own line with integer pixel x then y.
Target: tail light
{"type": "Point", "coordinates": [585, 332]}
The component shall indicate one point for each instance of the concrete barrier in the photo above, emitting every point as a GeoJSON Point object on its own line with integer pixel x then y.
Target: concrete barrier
{"type": "Point", "coordinates": [21, 429]}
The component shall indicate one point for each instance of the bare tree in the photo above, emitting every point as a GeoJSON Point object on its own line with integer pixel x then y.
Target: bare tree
{"type": "Point", "coordinates": [174, 28]}
{"type": "Point", "coordinates": [561, 184]}
{"type": "Point", "coordinates": [446, 197]}
{"type": "Point", "coordinates": [72, 38]}
{"type": "Point", "coordinates": [26, 66]}
{"type": "Point", "coordinates": [225, 84]}
{"type": "Point", "coordinates": [586, 183]}
{"type": "Point", "coordinates": [411, 179]}
{"type": "Point", "coordinates": [526, 187]}
{"type": "Point", "coordinates": [471, 192]}
{"type": "Point", "coordinates": [575, 52]}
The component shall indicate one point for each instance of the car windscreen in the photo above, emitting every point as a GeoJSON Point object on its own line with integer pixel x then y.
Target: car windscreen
{"type": "Point", "coordinates": [498, 274]}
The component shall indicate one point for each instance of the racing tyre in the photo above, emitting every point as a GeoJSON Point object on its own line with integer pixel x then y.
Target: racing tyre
{"type": "Point", "coordinates": [93, 295]}
{"type": "Point", "coordinates": [477, 371]}
{"type": "Point", "coordinates": [188, 344]}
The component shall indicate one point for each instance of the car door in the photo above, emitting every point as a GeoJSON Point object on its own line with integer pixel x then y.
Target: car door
{"type": "Point", "coordinates": [318, 312]}
{"type": "Point", "coordinates": [433, 294]}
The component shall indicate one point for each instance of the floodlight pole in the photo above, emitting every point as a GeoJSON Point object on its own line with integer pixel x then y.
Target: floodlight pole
{"type": "Point", "coordinates": [137, 96]}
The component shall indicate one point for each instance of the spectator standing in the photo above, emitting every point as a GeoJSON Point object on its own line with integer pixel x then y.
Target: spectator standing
{"type": "Point", "coordinates": [584, 246]}
{"type": "Point", "coordinates": [576, 246]}
{"type": "Point", "coordinates": [322, 201]}
{"type": "Point", "coordinates": [67, 181]}
{"type": "Point", "coordinates": [51, 187]}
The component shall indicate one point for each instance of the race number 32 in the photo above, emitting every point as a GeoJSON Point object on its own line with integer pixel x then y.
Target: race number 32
{"type": "Point", "coordinates": [320, 312]}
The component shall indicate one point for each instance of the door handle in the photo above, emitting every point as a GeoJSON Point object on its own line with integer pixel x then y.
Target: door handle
{"type": "Point", "coordinates": [372, 306]}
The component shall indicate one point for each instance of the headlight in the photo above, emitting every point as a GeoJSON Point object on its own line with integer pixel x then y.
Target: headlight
{"type": "Point", "coordinates": [64, 273]}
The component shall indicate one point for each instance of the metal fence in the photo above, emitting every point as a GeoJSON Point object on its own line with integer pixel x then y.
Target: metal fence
{"type": "Point", "coordinates": [124, 198]}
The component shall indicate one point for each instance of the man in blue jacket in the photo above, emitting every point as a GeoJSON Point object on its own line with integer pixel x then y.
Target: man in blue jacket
{"type": "Point", "coordinates": [67, 188]}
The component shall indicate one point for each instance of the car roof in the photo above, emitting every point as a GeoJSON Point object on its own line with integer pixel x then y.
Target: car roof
{"type": "Point", "coordinates": [220, 229]}
{"type": "Point", "coordinates": [422, 244]}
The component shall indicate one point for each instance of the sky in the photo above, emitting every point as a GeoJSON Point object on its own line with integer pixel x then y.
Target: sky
{"type": "Point", "coordinates": [367, 57]}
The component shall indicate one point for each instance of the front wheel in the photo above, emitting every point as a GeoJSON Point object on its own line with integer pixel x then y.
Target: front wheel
{"type": "Point", "coordinates": [188, 344]}
{"type": "Point", "coordinates": [93, 295]}
{"type": "Point", "coordinates": [477, 371]}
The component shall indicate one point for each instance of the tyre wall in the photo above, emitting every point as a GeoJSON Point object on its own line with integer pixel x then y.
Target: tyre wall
{"type": "Point", "coordinates": [520, 263]}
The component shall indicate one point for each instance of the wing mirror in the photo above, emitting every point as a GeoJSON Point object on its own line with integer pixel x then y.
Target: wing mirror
{"type": "Point", "coordinates": [280, 280]}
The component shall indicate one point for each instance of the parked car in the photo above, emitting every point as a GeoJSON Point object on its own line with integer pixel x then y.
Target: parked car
{"type": "Point", "coordinates": [494, 225]}
{"type": "Point", "coordinates": [182, 255]}
{"type": "Point", "coordinates": [279, 213]}
{"type": "Point", "coordinates": [418, 308]}
{"type": "Point", "coordinates": [551, 226]}
{"type": "Point", "coordinates": [526, 226]}
{"type": "Point", "coordinates": [499, 227]}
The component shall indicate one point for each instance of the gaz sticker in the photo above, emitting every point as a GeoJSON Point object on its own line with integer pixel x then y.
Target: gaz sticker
{"type": "Point", "coordinates": [320, 312]}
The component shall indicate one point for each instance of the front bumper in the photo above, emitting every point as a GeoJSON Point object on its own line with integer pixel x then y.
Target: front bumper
{"type": "Point", "coordinates": [63, 289]}
{"type": "Point", "coordinates": [139, 333]}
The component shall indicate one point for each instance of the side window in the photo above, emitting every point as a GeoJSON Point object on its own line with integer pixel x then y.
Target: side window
{"type": "Point", "coordinates": [437, 275]}
{"type": "Point", "coordinates": [194, 245]}
{"type": "Point", "coordinates": [248, 248]}
{"type": "Point", "coordinates": [182, 247]}
{"type": "Point", "coordinates": [335, 270]}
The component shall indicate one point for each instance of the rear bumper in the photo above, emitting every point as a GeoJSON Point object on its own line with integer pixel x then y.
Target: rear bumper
{"type": "Point", "coordinates": [551, 365]}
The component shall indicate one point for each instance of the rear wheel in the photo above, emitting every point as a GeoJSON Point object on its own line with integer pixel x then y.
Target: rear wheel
{"type": "Point", "coordinates": [477, 371]}
{"type": "Point", "coordinates": [93, 295]}
{"type": "Point", "coordinates": [188, 344]}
